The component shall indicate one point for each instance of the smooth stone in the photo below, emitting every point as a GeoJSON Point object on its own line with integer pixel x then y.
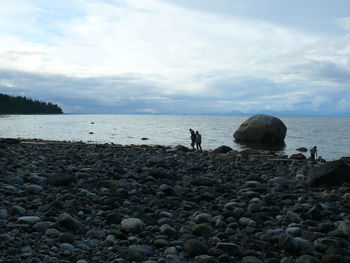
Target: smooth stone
{"type": "Point", "coordinates": [167, 230]}
{"type": "Point", "coordinates": [66, 237]}
{"type": "Point", "coordinates": [205, 259]}
{"type": "Point", "coordinates": [292, 217]}
{"type": "Point", "coordinates": [194, 247]}
{"type": "Point", "coordinates": [60, 179]}
{"type": "Point", "coordinates": [261, 128]}
{"type": "Point", "coordinates": [17, 210]}
{"type": "Point", "coordinates": [307, 259]}
{"type": "Point", "coordinates": [96, 234]}
{"type": "Point", "coordinates": [332, 259]}
{"type": "Point", "coordinates": [229, 248]}
{"type": "Point", "coordinates": [251, 259]}
{"type": "Point", "coordinates": [288, 243]}
{"type": "Point", "coordinates": [159, 243]}
{"type": "Point", "coordinates": [29, 220]}
{"type": "Point", "coordinates": [170, 251]}
{"type": "Point", "coordinates": [15, 180]}
{"type": "Point", "coordinates": [247, 222]}
{"type": "Point", "coordinates": [66, 246]}
{"type": "Point", "coordinates": [3, 213]}
{"type": "Point", "coordinates": [172, 259]}
{"type": "Point", "coordinates": [41, 227]}
{"type": "Point", "coordinates": [132, 225]}
{"type": "Point", "coordinates": [52, 232]}
{"type": "Point", "coordinates": [345, 228]}
{"type": "Point", "coordinates": [202, 229]}
{"type": "Point", "coordinates": [203, 218]}
{"type": "Point", "coordinates": [34, 188]}
{"type": "Point", "coordinates": [138, 252]}
{"type": "Point", "coordinates": [68, 222]}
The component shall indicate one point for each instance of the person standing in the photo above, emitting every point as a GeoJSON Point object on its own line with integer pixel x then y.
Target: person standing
{"type": "Point", "coordinates": [198, 141]}
{"type": "Point", "coordinates": [313, 153]}
{"type": "Point", "coordinates": [193, 138]}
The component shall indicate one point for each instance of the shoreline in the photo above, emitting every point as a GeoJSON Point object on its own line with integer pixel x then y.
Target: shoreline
{"type": "Point", "coordinates": [80, 202]}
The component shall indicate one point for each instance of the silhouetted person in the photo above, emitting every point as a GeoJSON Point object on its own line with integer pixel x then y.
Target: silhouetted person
{"type": "Point", "coordinates": [313, 153]}
{"type": "Point", "coordinates": [198, 141]}
{"type": "Point", "coordinates": [193, 138]}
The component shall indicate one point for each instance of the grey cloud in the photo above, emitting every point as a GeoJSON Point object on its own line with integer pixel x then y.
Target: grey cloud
{"type": "Point", "coordinates": [135, 94]}
{"type": "Point", "coordinates": [324, 70]}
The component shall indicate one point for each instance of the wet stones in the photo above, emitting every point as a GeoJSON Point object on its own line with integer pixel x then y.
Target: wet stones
{"type": "Point", "coordinates": [155, 204]}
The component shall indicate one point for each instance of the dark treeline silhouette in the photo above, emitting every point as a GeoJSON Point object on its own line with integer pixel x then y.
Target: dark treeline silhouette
{"type": "Point", "coordinates": [22, 105]}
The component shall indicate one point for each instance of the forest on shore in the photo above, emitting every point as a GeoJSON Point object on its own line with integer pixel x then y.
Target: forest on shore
{"type": "Point", "coordinates": [22, 105]}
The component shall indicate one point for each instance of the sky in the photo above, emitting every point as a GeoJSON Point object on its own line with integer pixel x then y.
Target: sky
{"type": "Point", "coordinates": [179, 56]}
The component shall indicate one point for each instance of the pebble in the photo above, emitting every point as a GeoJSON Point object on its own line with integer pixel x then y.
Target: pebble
{"type": "Point", "coordinates": [29, 220]}
{"type": "Point", "coordinates": [132, 225]}
{"type": "Point", "coordinates": [112, 203]}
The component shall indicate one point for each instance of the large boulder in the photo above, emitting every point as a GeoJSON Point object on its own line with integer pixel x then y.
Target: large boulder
{"type": "Point", "coordinates": [261, 128]}
{"type": "Point", "coordinates": [329, 174]}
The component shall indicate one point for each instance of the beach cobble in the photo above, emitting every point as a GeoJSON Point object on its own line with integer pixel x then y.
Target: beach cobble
{"type": "Point", "coordinates": [75, 202]}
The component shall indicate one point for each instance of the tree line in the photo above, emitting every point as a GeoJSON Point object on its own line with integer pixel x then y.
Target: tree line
{"type": "Point", "coordinates": [22, 105]}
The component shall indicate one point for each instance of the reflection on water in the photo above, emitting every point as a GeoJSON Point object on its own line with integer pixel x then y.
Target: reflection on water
{"type": "Point", "coordinates": [274, 147]}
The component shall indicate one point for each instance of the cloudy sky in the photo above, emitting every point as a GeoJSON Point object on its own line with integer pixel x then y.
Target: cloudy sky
{"type": "Point", "coordinates": [179, 56]}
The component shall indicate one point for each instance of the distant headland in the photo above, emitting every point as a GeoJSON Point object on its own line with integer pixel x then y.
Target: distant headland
{"type": "Point", "coordinates": [22, 105]}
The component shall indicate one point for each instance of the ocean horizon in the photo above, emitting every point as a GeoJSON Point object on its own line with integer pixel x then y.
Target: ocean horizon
{"type": "Point", "coordinates": [329, 134]}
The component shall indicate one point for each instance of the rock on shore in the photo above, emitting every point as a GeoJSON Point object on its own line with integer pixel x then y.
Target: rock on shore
{"type": "Point", "coordinates": [261, 128]}
{"type": "Point", "coordinates": [74, 202]}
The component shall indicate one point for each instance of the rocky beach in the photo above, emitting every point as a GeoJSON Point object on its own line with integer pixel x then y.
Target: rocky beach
{"type": "Point", "coordinates": [75, 202]}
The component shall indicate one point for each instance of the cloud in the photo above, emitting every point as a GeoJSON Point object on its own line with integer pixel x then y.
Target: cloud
{"type": "Point", "coordinates": [176, 56]}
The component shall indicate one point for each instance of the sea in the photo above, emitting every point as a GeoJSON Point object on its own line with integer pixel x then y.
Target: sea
{"type": "Point", "coordinates": [331, 135]}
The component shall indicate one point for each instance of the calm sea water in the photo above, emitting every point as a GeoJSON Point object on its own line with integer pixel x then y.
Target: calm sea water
{"type": "Point", "coordinates": [330, 134]}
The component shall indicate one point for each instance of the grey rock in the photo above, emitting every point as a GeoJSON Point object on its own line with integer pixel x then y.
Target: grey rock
{"type": "Point", "coordinates": [172, 259]}
{"type": "Point", "coordinates": [17, 210]}
{"type": "Point", "coordinates": [345, 228]}
{"type": "Point", "coordinates": [52, 232]}
{"type": "Point", "coordinates": [261, 128]}
{"type": "Point", "coordinates": [288, 243]}
{"type": "Point", "coordinates": [66, 237]}
{"type": "Point", "coordinates": [29, 220]}
{"type": "Point", "coordinates": [167, 230]}
{"type": "Point", "coordinates": [34, 188]}
{"type": "Point", "coordinates": [229, 248]}
{"type": "Point", "coordinates": [170, 251]}
{"type": "Point", "coordinates": [194, 247]}
{"type": "Point", "coordinates": [60, 179]}
{"type": "Point", "coordinates": [132, 225]}
{"type": "Point", "coordinates": [160, 243]}
{"type": "Point", "coordinates": [203, 218]}
{"type": "Point", "coordinates": [66, 246]}
{"type": "Point", "coordinates": [41, 227]}
{"type": "Point", "coordinates": [307, 259]}
{"type": "Point", "coordinates": [329, 174]}
{"type": "Point", "coordinates": [251, 259]}
{"type": "Point", "coordinates": [15, 180]}
{"type": "Point", "coordinates": [202, 229]}
{"type": "Point", "coordinates": [68, 222]}
{"type": "Point", "coordinates": [3, 213]}
{"type": "Point", "coordinates": [247, 222]}
{"type": "Point", "coordinates": [223, 149]}
{"type": "Point", "coordinates": [138, 252]}
{"type": "Point", "coordinates": [205, 259]}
